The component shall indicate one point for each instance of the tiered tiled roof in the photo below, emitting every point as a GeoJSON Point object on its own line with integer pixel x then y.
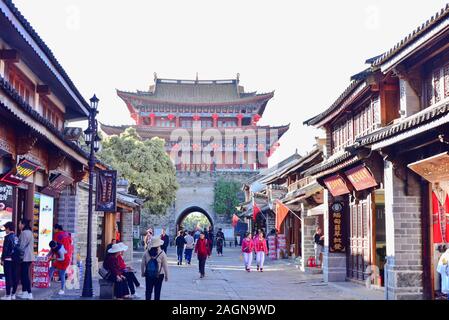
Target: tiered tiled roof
{"type": "Point", "coordinates": [196, 92]}
{"type": "Point", "coordinates": [43, 46]}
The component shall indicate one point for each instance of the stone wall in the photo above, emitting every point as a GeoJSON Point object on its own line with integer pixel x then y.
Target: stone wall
{"type": "Point", "coordinates": [404, 237]}
{"type": "Point", "coordinates": [197, 189]}
{"type": "Point", "coordinates": [308, 226]}
{"type": "Point", "coordinates": [127, 234]}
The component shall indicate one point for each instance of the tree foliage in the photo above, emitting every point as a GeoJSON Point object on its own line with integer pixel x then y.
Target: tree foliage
{"type": "Point", "coordinates": [146, 165]}
{"type": "Point", "coordinates": [194, 220]}
{"type": "Point", "coordinates": [226, 197]}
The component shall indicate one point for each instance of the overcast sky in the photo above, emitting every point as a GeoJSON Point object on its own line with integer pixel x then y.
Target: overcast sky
{"type": "Point", "coordinates": [304, 50]}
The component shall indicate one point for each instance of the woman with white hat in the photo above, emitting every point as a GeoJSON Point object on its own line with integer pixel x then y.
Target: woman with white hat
{"type": "Point", "coordinates": [154, 268]}
{"type": "Point", "coordinates": [111, 263]}
{"type": "Point", "coordinates": [128, 272]}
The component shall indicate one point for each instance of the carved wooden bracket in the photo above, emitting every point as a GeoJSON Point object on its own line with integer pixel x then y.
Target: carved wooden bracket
{"type": "Point", "coordinates": [25, 142]}
{"type": "Point", "coordinates": [413, 78]}
{"type": "Point", "coordinates": [56, 159]}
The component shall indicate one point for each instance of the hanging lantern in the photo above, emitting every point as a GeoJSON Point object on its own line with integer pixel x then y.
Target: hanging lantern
{"type": "Point", "coordinates": [215, 116]}
{"type": "Point", "coordinates": [196, 117]}
{"type": "Point", "coordinates": [170, 117]}
{"type": "Point", "coordinates": [240, 116]}
{"type": "Point", "coordinates": [152, 116]}
{"type": "Point", "coordinates": [257, 118]}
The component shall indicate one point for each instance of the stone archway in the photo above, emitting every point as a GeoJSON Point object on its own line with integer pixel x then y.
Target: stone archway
{"type": "Point", "coordinates": [184, 213]}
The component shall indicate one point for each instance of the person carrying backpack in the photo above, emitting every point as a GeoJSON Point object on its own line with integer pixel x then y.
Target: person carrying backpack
{"type": "Point", "coordinates": [154, 268]}
{"type": "Point", "coordinates": [10, 261]}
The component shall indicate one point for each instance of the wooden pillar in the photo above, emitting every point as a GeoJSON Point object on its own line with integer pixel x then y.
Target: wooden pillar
{"type": "Point", "coordinates": [109, 227]}
{"type": "Point", "coordinates": [29, 206]}
{"type": "Point", "coordinates": [177, 122]}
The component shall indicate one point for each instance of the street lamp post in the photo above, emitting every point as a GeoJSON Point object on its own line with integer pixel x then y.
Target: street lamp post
{"type": "Point", "coordinates": [92, 141]}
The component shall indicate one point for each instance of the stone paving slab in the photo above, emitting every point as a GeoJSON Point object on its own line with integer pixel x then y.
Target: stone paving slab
{"type": "Point", "coordinates": [226, 279]}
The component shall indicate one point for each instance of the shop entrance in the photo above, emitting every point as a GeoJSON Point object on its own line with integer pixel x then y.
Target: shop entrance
{"type": "Point", "coordinates": [367, 241]}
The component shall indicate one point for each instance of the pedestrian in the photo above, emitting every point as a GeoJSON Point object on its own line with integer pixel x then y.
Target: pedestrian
{"type": "Point", "coordinates": [247, 250]}
{"type": "Point", "coordinates": [220, 241]}
{"type": "Point", "coordinates": [197, 235]}
{"type": "Point", "coordinates": [128, 272]}
{"type": "Point", "coordinates": [154, 268]}
{"type": "Point", "coordinates": [202, 249]}
{"type": "Point", "coordinates": [10, 261]}
{"type": "Point", "coordinates": [180, 242]}
{"type": "Point", "coordinates": [318, 240]}
{"type": "Point", "coordinates": [61, 261]}
{"type": "Point", "coordinates": [63, 237]}
{"type": "Point", "coordinates": [116, 275]}
{"type": "Point", "coordinates": [148, 237]}
{"type": "Point", "coordinates": [190, 245]}
{"type": "Point", "coordinates": [166, 239]}
{"type": "Point", "coordinates": [260, 246]}
{"type": "Point", "coordinates": [211, 238]}
{"type": "Point", "coordinates": [26, 240]}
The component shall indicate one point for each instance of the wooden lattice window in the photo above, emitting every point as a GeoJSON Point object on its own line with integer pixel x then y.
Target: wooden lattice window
{"type": "Point", "coordinates": [23, 85]}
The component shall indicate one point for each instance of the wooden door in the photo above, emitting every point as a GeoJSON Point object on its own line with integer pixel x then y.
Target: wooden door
{"type": "Point", "coordinates": [359, 253]}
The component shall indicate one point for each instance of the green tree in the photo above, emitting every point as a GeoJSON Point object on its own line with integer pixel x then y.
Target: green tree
{"type": "Point", "coordinates": [226, 197]}
{"type": "Point", "coordinates": [147, 167]}
{"type": "Point", "coordinates": [194, 220]}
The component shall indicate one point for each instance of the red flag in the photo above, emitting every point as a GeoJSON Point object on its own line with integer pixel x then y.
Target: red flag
{"type": "Point", "coordinates": [256, 211]}
{"type": "Point", "coordinates": [235, 220]}
{"type": "Point", "coordinates": [281, 212]}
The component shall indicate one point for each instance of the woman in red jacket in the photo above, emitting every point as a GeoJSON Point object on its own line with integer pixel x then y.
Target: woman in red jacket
{"type": "Point", "coordinates": [247, 249]}
{"type": "Point", "coordinates": [112, 264]}
{"type": "Point", "coordinates": [202, 249]}
{"type": "Point", "coordinates": [260, 245]}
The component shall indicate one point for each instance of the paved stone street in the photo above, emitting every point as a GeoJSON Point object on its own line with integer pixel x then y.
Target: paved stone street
{"type": "Point", "coordinates": [227, 280]}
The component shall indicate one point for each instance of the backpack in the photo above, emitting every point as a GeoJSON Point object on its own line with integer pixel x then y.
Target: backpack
{"type": "Point", "coordinates": [152, 269]}
{"type": "Point", "coordinates": [17, 252]}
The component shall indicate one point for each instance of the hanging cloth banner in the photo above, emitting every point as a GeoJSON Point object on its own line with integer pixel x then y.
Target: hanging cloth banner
{"type": "Point", "coordinates": [336, 185]}
{"type": "Point", "coordinates": [106, 191]}
{"type": "Point", "coordinates": [256, 210]}
{"type": "Point", "coordinates": [281, 213]}
{"type": "Point", "coordinates": [361, 178]}
{"type": "Point", "coordinates": [235, 220]}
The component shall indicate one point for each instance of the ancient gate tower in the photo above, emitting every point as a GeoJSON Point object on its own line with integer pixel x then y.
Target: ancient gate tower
{"type": "Point", "coordinates": [210, 128]}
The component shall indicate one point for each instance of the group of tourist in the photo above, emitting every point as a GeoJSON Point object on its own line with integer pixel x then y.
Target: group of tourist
{"type": "Point", "coordinates": [257, 244]}
{"type": "Point", "coordinates": [18, 256]}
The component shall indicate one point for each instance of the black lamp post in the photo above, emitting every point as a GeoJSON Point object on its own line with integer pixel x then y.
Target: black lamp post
{"type": "Point", "coordinates": [92, 141]}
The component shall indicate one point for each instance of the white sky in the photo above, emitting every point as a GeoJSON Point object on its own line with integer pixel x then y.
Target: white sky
{"type": "Point", "coordinates": [306, 51]}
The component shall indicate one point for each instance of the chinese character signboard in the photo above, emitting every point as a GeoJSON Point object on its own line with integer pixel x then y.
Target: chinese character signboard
{"type": "Point", "coordinates": [20, 173]}
{"type": "Point", "coordinates": [336, 227]}
{"type": "Point", "coordinates": [6, 208]}
{"type": "Point", "coordinates": [106, 191]}
{"type": "Point", "coordinates": [361, 178]}
{"type": "Point", "coordinates": [336, 185]}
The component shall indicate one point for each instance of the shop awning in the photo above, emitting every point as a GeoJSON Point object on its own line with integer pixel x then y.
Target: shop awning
{"type": "Point", "coordinates": [20, 173]}
{"type": "Point", "coordinates": [57, 185]}
{"type": "Point", "coordinates": [336, 185]}
{"type": "Point", "coordinates": [317, 211]}
{"type": "Point", "coordinates": [361, 178]}
{"type": "Point", "coordinates": [433, 169]}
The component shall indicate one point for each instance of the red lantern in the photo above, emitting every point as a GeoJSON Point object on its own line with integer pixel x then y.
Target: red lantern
{"type": "Point", "coordinates": [170, 117]}
{"type": "Point", "coordinates": [152, 116]}
{"type": "Point", "coordinates": [240, 116]}
{"type": "Point", "coordinates": [215, 116]}
{"type": "Point", "coordinates": [257, 118]}
{"type": "Point", "coordinates": [196, 118]}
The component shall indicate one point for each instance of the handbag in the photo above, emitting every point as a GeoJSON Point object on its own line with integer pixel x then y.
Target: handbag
{"type": "Point", "coordinates": [105, 274]}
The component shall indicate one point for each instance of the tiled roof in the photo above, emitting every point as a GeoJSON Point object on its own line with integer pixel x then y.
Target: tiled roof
{"type": "Point", "coordinates": [413, 36]}
{"type": "Point", "coordinates": [195, 91]}
{"type": "Point", "coordinates": [44, 48]}
{"type": "Point", "coordinates": [12, 93]}
{"type": "Point", "coordinates": [426, 116]}
{"type": "Point", "coordinates": [329, 163]}
{"type": "Point", "coordinates": [315, 120]}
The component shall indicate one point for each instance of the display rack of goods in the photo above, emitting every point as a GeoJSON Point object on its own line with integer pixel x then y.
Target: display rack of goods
{"type": "Point", "coordinates": [41, 277]}
{"type": "Point", "coordinates": [272, 247]}
{"type": "Point", "coordinates": [282, 246]}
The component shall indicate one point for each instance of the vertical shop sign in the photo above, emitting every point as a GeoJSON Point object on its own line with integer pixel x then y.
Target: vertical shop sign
{"type": "Point", "coordinates": [336, 227]}
{"type": "Point", "coordinates": [106, 191]}
{"type": "Point", "coordinates": [41, 277]}
{"type": "Point", "coordinates": [6, 208]}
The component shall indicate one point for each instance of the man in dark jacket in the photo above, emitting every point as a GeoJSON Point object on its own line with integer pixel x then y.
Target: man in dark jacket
{"type": "Point", "coordinates": [210, 237]}
{"type": "Point", "coordinates": [10, 261]}
{"type": "Point", "coordinates": [165, 238]}
{"type": "Point", "coordinates": [220, 241]}
{"type": "Point", "coordinates": [180, 243]}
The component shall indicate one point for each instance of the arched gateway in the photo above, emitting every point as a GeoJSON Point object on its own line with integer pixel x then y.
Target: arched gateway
{"type": "Point", "coordinates": [186, 212]}
{"type": "Point", "coordinates": [196, 108]}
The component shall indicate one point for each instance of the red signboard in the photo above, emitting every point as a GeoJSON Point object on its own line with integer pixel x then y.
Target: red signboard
{"type": "Point", "coordinates": [336, 185]}
{"type": "Point", "coordinates": [20, 173]}
{"type": "Point", "coordinates": [361, 178]}
{"type": "Point", "coordinates": [41, 273]}
{"type": "Point", "coordinates": [57, 185]}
